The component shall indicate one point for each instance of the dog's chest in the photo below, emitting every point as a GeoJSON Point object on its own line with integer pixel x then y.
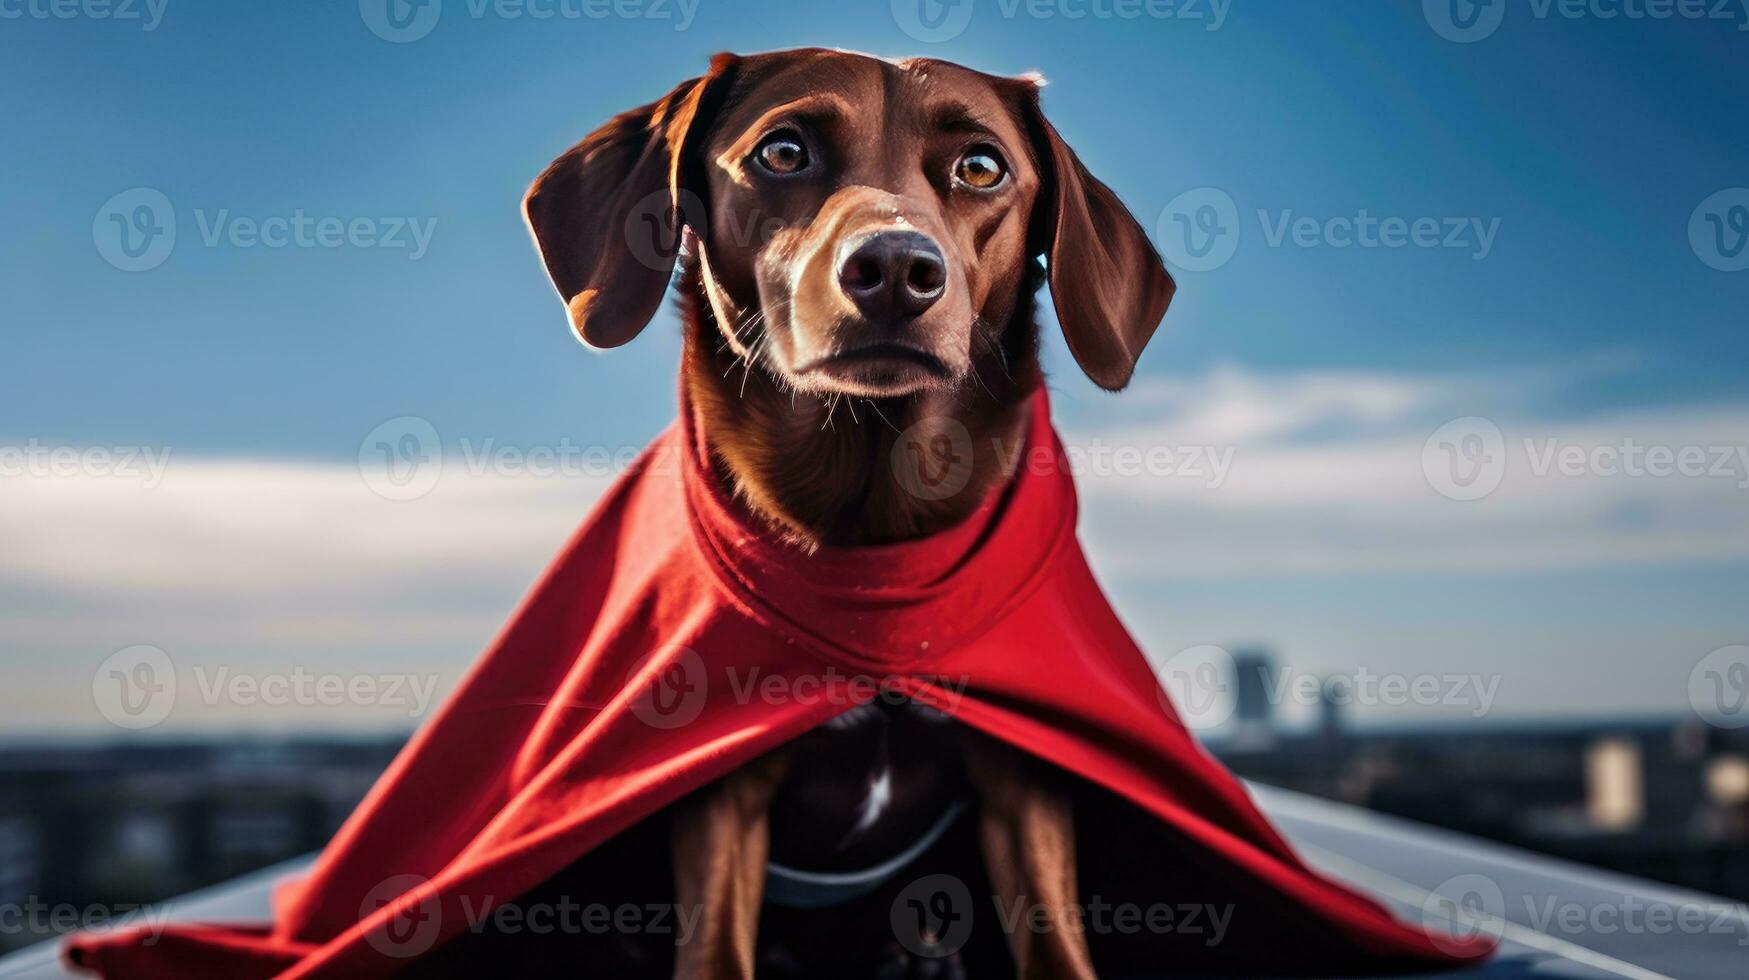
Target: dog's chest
{"type": "Point", "coordinates": [866, 787]}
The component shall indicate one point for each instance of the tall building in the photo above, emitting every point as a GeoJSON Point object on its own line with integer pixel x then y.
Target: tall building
{"type": "Point", "coordinates": [20, 859]}
{"type": "Point", "coordinates": [1253, 711]}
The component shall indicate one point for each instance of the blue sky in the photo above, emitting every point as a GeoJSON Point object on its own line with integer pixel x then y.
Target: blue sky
{"type": "Point", "coordinates": [1585, 143]}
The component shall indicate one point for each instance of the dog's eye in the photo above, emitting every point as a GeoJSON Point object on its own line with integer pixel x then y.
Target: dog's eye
{"type": "Point", "coordinates": [782, 153]}
{"type": "Point", "coordinates": [980, 169]}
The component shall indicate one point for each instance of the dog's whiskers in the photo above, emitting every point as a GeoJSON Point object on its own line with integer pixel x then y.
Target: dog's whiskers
{"type": "Point", "coordinates": [876, 408]}
{"type": "Point", "coordinates": [980, 335]}
{"type": "Point", "coordinates": [747, 352]}
{"type": "Point", "coordinates": [753, 354]}
{"type": "Point", "coordinates": [992, 339]}
{"type": "Point", "coordinates": [735, 338]}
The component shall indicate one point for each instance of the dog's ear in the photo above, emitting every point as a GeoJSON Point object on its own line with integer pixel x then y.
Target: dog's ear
{"type": "Point", "coordinates": [1108, 284]}
{"type": "Point", "coordinates": [607, 214]}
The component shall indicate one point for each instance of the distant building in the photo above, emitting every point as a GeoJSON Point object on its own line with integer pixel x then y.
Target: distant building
{"type": "Point", "coordinates": [1614, 786]}
{"type": "Point", "coordinates": [1662, 800]}
{"type": "Point", "coordinates": [20, 859]}
{"type": "Point", "coordinates": [1253, 710]}
{"type": "Point", "coordinates": [1329, 711]}
{"type": "Point", "coordinates": [137, 823]}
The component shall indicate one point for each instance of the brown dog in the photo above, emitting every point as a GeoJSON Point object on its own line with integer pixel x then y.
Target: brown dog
{"type": "Point", "coordinates": [859, 243]}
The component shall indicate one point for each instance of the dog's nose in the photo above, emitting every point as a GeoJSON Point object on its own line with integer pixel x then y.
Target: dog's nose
{"type": "Point", "coordinates": [893, 274]}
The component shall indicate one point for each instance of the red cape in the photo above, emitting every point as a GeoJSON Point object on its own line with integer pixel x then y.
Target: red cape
{"type": "Point", "coordinates": [621, 685]}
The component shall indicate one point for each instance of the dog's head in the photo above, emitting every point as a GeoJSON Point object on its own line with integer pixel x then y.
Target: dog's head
{"type": "Point", "coordinates": [857, 220]}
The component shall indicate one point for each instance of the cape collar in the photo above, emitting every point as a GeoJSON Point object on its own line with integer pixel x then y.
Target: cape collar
{"type": "Point", "coordinates": [889, 607]}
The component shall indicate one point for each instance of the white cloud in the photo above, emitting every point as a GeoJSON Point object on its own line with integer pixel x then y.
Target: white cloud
{"type": "Point", "coordinates": [237, 530]}
{"type": "Point", "coordinates": [262, 568]}
{"type": "Point", "coordinates": [1327, 474]}
{"type": "Point", "coordinates": [240, 561]}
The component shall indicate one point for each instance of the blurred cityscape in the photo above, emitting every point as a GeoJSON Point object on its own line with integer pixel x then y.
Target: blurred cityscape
{"type": "Point", "coordinates": [117, 827]}
{"type": "Point", "coordinates": [1665, 800]}
{"type": "Point", "coordinates": [123, 825]}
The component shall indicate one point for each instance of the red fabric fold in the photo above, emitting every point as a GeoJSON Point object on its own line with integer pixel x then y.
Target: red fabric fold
{"type": "Point", "coordinates": [623, 682]}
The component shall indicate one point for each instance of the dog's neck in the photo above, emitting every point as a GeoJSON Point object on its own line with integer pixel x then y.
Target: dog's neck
{"type": "Point", "coordinates": [821, 469]}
